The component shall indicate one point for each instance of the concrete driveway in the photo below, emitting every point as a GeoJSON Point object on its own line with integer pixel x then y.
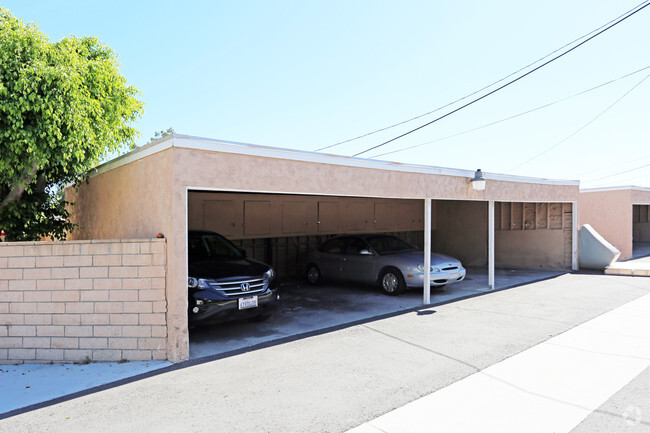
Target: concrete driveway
{"type": "Point", "coordinates": [307, 309]}
{"type": "Point", "coordinates": [339, 380]}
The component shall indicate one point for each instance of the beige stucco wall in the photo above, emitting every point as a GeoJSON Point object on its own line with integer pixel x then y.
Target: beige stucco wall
{"type": "Point", "coordinates": [242, 172]}
{"type": "Point", "coordinates": [530, 249]}
{"type": "Point", "coordinates": [462, 231]}
{"type": "Point", "coordinates": [149, 195]}
{"type": "Point", "coordinates": [135, 201]}
{"type": "Point", "coordinates": [610, 214]}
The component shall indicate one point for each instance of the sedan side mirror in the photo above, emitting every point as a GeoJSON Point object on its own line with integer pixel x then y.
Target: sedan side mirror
{"type": "Point", "coordinates": [243, 252]}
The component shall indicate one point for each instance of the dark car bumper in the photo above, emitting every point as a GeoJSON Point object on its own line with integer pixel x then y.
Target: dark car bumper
{"type": "Point", "coordinates": [214, 311]}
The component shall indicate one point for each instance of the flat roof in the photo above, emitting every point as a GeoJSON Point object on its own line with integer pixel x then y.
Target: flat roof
{"type": "Point", "coordinates": [616, 188]}
{"type": "Point", "coordinates": [224, 146]}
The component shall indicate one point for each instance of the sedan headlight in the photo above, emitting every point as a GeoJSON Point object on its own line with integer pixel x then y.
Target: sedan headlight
{"type": "Point", "coordinates": [269, 274]}
{"type": "Point", "coordinates": [421, 268]}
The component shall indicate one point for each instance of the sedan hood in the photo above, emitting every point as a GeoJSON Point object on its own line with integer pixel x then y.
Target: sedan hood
{"type": "Point", "coordinates": [214, 269]}
{"type": "Point", "coordinates": [436, 259]}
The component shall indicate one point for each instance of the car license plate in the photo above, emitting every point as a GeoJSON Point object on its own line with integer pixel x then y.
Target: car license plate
{"type": "Point", "coordinates": [245, 303]}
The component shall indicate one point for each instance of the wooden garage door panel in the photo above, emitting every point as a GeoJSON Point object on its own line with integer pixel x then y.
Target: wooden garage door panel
{"type": "Point", "coordinates": [360, 215]}
{"type": "Point", "coordinates": [383, 216]}
{"type": "Point", "coordinates": [219, 216]}
{"type": "Point", "coordinates": [328, 217]}
{"type": "Point", "coordinates": [257, 217]}
{"type": "Point", "coordinates": [294, 217]}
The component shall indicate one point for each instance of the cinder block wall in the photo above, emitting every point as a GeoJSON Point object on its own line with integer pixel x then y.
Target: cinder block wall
{"type": "Point", "coordinates": [79, 301]}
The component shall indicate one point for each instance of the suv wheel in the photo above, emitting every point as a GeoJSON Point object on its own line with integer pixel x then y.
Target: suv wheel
{"type": "Point", "coordinates": [313, 275]}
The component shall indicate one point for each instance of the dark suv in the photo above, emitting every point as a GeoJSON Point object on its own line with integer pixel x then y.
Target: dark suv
{"type": "Point", "coordinates": [223, 284]}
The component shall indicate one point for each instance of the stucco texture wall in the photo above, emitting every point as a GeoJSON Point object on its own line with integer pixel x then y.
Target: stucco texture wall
{"type": "Point", "coordinates": [610, 214]}
{"type": "Point", "coordinates": [150, 195]}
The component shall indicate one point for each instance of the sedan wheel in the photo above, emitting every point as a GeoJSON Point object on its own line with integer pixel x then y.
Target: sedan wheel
{"type": "Point", "coordinates": [392, 282]}
{"type": "Point", "coordinates": [313, 275]}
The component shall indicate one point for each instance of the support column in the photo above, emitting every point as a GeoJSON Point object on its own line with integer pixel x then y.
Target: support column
{"type": "Point", "coordinates": [574, 236]}
{"type": "Point", "coordinates": [426, 286]}
{"type": "Point", "coordinates": [491, 245]}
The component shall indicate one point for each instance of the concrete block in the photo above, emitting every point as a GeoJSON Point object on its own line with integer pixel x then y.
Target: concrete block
{"type": "Point", "coordinates": [36, 342]}
{"type": "Point", "coordinates": [95, 319]}
{"type": "Point", "coordinates": [49, 262]}
{"type": "Point", "coordinates": [137, 355]}
{"type": "Point", "coordinates": [66, 319]}
{"type": "Point", "coordinates": [38, 319]}
{"type": "Point", "coordinates": [108, 331]}
{"type": "Point", "coordinates": [106, 355]}
{"type": "Point", "coordinates": [93, 343]}
{"type": "Point", "coordinates": [49, 354]}
{"type": "Point", "coordinates": [21, 262]}
{"type": "Point", "coordinates": [26, 354]}
{"type": "Point", "coordinates": [595, 251]}
{"type": "Point", "coordinates": [50, 331]}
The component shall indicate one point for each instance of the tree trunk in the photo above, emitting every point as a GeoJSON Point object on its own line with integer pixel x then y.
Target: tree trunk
{"type": "Point", "coordinates": [17, 190]}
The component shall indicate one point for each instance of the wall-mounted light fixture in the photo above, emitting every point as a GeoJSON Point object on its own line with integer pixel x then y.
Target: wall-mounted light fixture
{"type": "Point", "coordinates": [478, 182]}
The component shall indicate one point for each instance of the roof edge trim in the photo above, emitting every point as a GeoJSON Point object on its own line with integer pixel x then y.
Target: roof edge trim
{"type": "Point", "coordinates": [224, 146]}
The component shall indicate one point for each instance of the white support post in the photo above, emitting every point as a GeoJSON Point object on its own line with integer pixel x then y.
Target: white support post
{"type": "Point", "coordinates": [426, 285]}
{"type": "Point", "coordinates": [491, 245]}
{"type": "Point", "coordinates": [574, 237]}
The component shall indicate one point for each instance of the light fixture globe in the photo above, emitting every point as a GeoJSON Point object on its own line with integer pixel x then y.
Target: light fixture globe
{"type": "Point", "coordinates": [478, 181]}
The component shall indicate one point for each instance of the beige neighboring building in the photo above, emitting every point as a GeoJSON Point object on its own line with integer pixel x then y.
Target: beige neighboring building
{"type": "Point", "coordinates": [278, 203]}
{"type": "Point", "coordinates": [619, 214]}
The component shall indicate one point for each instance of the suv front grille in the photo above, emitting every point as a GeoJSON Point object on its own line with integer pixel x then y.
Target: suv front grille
{"type": "Point", "coordinates": [234, 288]}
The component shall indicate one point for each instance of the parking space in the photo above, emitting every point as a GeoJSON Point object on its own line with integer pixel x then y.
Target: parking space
{"type": "Point", "coordinates": [306, 309]}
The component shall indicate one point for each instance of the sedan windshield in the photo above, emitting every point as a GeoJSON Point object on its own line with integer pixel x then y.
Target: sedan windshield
{"type": "Point", "coordinates": [389, 245]}
{"type": "Point", "coordinates": [212, 247]}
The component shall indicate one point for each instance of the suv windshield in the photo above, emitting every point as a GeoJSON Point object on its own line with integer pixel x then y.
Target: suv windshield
{"type": "Point", "coordinates": [212, 246]}
{"type": "Point", "coordinates": [389, 245]}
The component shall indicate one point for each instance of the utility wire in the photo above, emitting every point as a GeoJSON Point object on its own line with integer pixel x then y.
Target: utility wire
{"type": "Point", "coordinates": [477, 91]}
{"type": "Point", "coordinates": [508, 83]}
{"type": "Point", "coordinates": [581, 128]}
{"type": "Point", "coordinates": [619, 173]}
{"type": "Point", "coordinates": [579, 175]}
{"type": "Point", "coordinates": [514, 116]}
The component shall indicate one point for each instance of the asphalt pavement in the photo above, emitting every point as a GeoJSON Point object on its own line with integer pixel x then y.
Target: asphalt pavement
{"type": "Point", "coordinates": [339, 380]}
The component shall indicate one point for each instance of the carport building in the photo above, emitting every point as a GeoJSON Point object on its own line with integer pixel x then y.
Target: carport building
{"type": "Point", "coordinates": [279, 203]}
{"type": "Point", "coordinates": [619, 214]}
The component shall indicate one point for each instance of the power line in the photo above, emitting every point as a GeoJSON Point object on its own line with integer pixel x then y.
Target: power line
{"type": "Point", "coordinates": [579, 175]}
{"type": "Point", "coordinates": [619, 173]}
{"type": "Point", "coordinates": [516, 115]}
{"type": "Point", "coordinates": [508, 83]}
{"type": "Point", "coordinates": [477, 91]}
{"type": "Point", "coordinates": [582, 127]}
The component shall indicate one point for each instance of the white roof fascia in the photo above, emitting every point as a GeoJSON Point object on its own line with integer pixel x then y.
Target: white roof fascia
{"type": "Point", "coordinates": [616, 188]}
{"type": "Point", "coordinates": [224, 146]}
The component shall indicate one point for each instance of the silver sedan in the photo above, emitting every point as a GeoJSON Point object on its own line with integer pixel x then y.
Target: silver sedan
{"type": "Point", "coordinates": [385, 260]}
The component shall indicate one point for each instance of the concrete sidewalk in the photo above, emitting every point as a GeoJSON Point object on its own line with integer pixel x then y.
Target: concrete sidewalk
{"type": "Point", "coordinates": [558, 382]}
{"type": "Point", "coordinates": [339, 380]}
{"type": "Point", "coordinates": [639, 267]}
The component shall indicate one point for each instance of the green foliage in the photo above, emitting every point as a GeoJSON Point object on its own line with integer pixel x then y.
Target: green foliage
{"type": "Point", "coordinates": [63, 106]}
{"type": "Point", "coordinates": [161, 134]}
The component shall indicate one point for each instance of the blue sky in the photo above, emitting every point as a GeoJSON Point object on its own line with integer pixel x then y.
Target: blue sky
{"type": "Point", "coordinates": [308, 74]}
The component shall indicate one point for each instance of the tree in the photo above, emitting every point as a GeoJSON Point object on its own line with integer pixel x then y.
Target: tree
{"type": "Point", "coordinates": [161, 134]}
{"type": "Point", "coordinates": [63, 106]}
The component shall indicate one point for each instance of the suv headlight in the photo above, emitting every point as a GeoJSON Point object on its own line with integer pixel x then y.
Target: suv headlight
{"type": "Point", "coordinates": [193, 283]}
{"type": "Point", "coordinates": [269, 274]}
